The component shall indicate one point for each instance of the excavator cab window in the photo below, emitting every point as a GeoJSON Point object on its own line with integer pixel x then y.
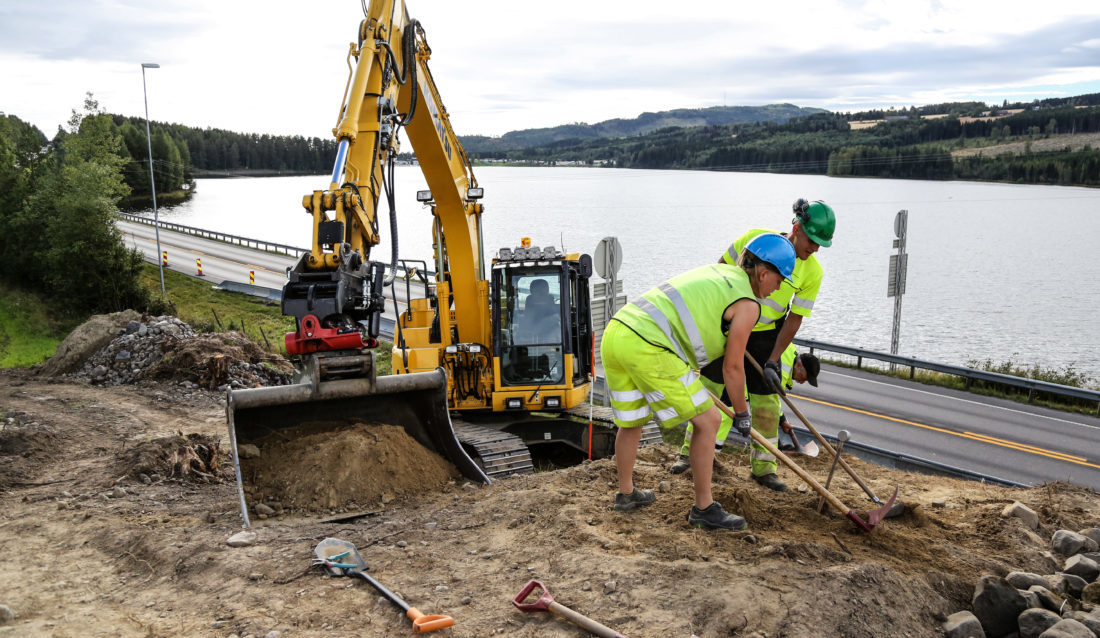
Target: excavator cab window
{"type": "Point", "coordinates": [531, 335]}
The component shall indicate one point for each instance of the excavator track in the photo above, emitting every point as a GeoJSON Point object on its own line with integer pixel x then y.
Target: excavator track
{"type": "Point", "coordinates": [498, 453]}
{"type": "Point", "coordinates": [651, 432]}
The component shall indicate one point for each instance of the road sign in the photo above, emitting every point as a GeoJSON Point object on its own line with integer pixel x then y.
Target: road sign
{"type": "Point", "coordinates": [608, 257]}
{"type": "Point", "coordinates": [896, 282]}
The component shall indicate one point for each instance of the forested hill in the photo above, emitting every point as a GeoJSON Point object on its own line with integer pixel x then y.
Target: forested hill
{"type": "Point", "coordinates": [644, 123]}
{"type": "Point", "coordinates": [1052, 143]}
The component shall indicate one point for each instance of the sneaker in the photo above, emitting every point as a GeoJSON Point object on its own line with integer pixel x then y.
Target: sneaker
{"type": "Point", "coordinates": [681, 465]}
{"type": "Point", "coordinates": [637, 498]}
{"type": "Point", "coordinates": [714, 517]}
{"type": "Point", "coordinates": [770, 481]}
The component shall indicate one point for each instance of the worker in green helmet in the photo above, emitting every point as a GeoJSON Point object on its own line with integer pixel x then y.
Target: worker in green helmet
{"type": "Point", "coordinates": [781, 315]}
{"type": "Point", "coordinates": [654, 346]}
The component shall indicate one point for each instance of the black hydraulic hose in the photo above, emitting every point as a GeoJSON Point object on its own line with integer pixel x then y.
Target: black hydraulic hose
{"type": "Point", "coordinates": [388, 186]}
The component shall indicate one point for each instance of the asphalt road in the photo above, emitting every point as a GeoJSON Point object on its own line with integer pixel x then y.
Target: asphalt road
{"type": "Point", "coordinates": [995, 437]}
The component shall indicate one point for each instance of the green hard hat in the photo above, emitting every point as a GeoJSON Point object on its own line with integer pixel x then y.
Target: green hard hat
{"type": "Point", "coordinates": [817, 220]}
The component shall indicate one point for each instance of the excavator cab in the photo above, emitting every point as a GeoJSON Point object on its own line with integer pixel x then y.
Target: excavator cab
{"type": "Point", "coordinates": [542, 328]}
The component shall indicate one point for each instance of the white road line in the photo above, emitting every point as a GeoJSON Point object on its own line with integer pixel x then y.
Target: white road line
{"type": "Point", "coordinates": [947, 396]}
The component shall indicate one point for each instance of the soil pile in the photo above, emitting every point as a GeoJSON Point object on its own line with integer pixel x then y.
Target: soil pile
{"type": "Point", "coordinates": [195, 457]}
{"type": "Point", "coordinates": [151, 559]}
{"type": "Point", "coordinates": [355, 467]}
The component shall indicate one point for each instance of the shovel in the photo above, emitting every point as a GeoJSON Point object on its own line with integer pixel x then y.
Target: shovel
{"type": "Point", "coordinates": [809, 449]}
{"type": "Point", "coordinates": [340, 558]}
{"type": "Point", "coordinates": [874, 517]}
{"type": "Point", "coordinates": [546, 602]}
{"type": "Point", "coordinates": [898, 508]}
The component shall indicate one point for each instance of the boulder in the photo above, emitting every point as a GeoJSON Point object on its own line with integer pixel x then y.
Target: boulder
{"type": "Point", "coordinates": [241, 539]}
{"type": "Point", "coordinates": [1081, 565]}
{"type": "Point", "coordinates": [1068, 543]}
{"type": "Point", "coordinates": [86, 340]}
{"type": "Point", "coordinates": [1092, 532]}
{"type": "Point", "coordinates": [1091, 594]}
{"type": "Point", "coordinates": [1023, 580]}
{"type": "Point", "coordinates": [963, 624]}
{"type": "Point", "coordinates": [1050, 600]}
{"type": "Point", "coordinates": [1068, 629]}
{"type": "Point", "coordinates": [997, 604]}
{"type": "Point", "coordinates": [1067, 584]}
{"type": "Point", "coordinates": [1032, 599]}
{"type": "Point", "coordinates": [1033, 622]}
{"type": "Point", "coordinates": [1022, 512]}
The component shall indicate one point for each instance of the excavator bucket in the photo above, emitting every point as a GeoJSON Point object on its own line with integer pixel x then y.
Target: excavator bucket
{"type": "Point", "coordinates": [417, 402]}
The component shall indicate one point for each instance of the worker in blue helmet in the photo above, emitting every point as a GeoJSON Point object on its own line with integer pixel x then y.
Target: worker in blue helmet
{"type": "Point", "coordinates": [653, 347]}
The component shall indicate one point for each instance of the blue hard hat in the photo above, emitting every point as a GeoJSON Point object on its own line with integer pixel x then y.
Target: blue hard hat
{"type": "Point", "coordinates": [774, 249]}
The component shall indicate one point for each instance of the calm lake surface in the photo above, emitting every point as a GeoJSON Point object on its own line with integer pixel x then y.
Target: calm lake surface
{"type": "Point", "coordinates": [996, 271]}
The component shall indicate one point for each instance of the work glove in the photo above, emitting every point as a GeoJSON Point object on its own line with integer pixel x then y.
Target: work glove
{"type": "Point", "coordinates": [742, 422]}
{"type": "Point", "coordinates": [771, 376]}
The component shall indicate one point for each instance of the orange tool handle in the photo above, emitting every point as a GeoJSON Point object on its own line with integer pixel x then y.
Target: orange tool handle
{"type": "Point", "coordinates": [423, 623]}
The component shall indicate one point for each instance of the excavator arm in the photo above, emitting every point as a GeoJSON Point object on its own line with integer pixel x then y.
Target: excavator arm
{"type": "Point", "coordinates": [336, 291]}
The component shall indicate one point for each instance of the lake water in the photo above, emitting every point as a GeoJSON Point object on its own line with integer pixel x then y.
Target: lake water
{"type": "Point", "coordinates": [996, 271]}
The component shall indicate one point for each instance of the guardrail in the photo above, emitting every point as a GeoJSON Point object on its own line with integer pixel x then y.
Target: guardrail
{"type": "Point", "coordinates": [969, 374]}
{"type": "Point", "coordinates": [258, 244]}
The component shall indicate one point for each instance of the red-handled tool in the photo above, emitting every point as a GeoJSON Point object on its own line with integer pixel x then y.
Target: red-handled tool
{"type": "Point", "coordinates": [545, 602]}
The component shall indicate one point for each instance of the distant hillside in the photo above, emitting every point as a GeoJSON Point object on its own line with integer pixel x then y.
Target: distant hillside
{"type": "Point", "coordinates": [644, 123]}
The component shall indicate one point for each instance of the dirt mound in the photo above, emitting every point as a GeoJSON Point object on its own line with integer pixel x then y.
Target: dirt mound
{"type": "Point", "coordinates": [86, 340]}
{"type": "Point", "coordinates": [355, 467]}
{"type": "Point", "coordinates": [24, 445]}
{"type": "Point", "coordinates": [220, 359]}
{"type": "Point", "coordinates": [195, 457]}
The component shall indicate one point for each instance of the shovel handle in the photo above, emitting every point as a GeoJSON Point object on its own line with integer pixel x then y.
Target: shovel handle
{"type": "Point", "coordinates": [821, 439]}
{"type": "Point", "coordinates": [802, 474]}
{"type": "Point", "coordinates": [424, 623]}
{"type": "Point", "coordinates": [545, 602]}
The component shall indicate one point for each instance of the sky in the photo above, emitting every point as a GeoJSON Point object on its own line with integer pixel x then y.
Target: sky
{"type": "Point", "coordinates": [279, 67]}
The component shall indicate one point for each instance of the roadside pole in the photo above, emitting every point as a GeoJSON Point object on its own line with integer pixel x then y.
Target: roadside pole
{"type": "Point", "coordinates": [896, 285]}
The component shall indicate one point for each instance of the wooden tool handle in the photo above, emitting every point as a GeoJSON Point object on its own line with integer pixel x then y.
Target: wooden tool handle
{"type": "Point", "coordinates": [817, 435]}
{"type": "Point", "coordinates": [584, 622]}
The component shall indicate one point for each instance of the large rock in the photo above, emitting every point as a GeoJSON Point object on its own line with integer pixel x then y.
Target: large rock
{"type": "Point", "coordinates": [1067, 584]}
{"type": "Point", "coordinates": [962, 624]}
{"type": "Point", "coordinates": [1034, 622]}
{"type": "Point", "coordinates": [1068, 543]}
{"type": "Point", "coordinates": [1091, 594]}
{"type": "Point", "coordinates": [997, 604]}
{"type": "Point", "coordinates": [86, 340]}
{"type": "Point", "coordinates": [1081, 565]}
{"type": "Point", "coordinates": [1049, 599]}
{"type": "Point", "coordinates": [1022, 512]}
{"type": "Point", "coordinates": [1023, 580]}
{"type": "Point", "coordinates": [1092, 532]}
{"type": "Point", "coordinates": [1068, 629]}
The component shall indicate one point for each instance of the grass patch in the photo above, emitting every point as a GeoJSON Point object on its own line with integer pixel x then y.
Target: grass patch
{"type": "Point", "coordinates": [29, 332]}
{"type": "Point", "coordinates": [1067, 376]}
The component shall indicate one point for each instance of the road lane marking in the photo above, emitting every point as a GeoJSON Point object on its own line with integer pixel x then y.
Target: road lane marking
{"type": "Point", "coordinates": [948, 396]}
{"type": "Point", "coordinates": [1021, 447]}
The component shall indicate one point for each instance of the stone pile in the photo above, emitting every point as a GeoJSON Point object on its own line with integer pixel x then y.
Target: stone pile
{"type": "Point", "coordinates": [138, 351]}
{"type": "Point", "coordinates": [1063, 604]}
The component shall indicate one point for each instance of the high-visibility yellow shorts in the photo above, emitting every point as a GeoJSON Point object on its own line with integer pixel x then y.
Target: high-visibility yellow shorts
{"type": "Point", "coordinates": [645, 380]}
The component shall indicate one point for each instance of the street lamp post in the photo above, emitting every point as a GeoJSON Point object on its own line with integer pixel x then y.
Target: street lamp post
{"type": "Point", "coordinates": [152, 184]}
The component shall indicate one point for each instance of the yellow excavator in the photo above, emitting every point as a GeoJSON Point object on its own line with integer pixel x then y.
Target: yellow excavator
{"type": "Point", "coordinates": [506, 346]}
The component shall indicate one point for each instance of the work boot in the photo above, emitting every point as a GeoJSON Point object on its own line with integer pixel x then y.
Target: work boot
{"type": "Point", "coordinates": [681, 465]}
{"type": "Point", "coordinates": [637, 498]}
{"type": "Point", "coordinates": [770, 481]}
{"type": "Point", "coordinates": [714, 517]}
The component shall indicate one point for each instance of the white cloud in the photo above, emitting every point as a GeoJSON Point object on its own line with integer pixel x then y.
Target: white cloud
{"type": "Point", "coordinates": [278, 66]}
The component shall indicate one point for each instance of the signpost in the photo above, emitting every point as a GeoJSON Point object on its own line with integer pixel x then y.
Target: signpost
{"type": "Point", "coordinates": [607, 296]}
{"type": "Point", "coordinates": [896, 282]}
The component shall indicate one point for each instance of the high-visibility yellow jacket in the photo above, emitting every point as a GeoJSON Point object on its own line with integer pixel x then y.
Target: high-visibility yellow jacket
{"type": "Point", "coordinates": [797, 294]}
